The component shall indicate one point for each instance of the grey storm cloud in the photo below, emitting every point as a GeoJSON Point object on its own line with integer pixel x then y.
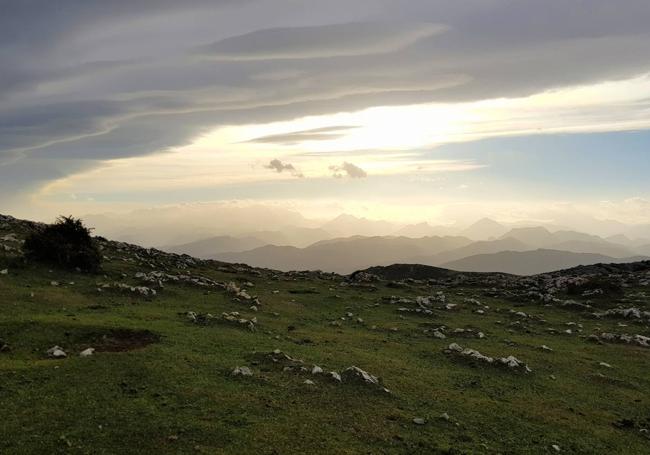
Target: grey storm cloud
{"type": "Point", "coordinates": [337, 40]}
{"type": "Point", "coordinates": [279, 166]}
{"type": "Point", "coordinates": [84, 81]}
{"type": "Point", "coordinates": [348, 170]}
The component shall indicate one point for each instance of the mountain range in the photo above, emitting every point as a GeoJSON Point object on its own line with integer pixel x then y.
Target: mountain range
{"type": "Point", "coordinates": [522, 251]}
{"type": "Point", "coordinates": [286, 240]}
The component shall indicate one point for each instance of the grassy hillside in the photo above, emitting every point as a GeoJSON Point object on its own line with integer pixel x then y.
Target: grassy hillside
{"type": "Point", "coordinates": [160, 380]}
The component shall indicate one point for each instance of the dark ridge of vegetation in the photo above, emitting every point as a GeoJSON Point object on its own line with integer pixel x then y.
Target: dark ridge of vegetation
{"type": "Point", "coordinates": [66, 243]}
{"type": "Point", "coordinates": [609, 286]}
{"type": "Point", "coordinates": [403, 271]}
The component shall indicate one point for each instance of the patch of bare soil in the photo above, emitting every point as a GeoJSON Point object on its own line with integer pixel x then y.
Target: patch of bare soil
{"type": "Point", "coordinates": [120, 340]}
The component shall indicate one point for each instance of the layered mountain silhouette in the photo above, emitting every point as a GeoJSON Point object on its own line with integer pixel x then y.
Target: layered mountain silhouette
{"type": "Point", "coordinates": [344, 255]}
{"type": "Point", "coordinates": [531, 262]}
{"type": "Point", "coordinates": [285, 240]}
{"type": "Point", "coordinates": [521, 251]}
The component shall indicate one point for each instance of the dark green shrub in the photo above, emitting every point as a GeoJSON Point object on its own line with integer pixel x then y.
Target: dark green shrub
{"type": "Point", "coordinates": [66, 243]}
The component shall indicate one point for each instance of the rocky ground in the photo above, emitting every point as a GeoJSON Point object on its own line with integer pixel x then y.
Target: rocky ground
{"type": "Point", "coordinates": [163, 353]}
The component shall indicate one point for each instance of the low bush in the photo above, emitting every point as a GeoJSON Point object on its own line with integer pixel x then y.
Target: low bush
{"type": "Point", "coordinates": [66, 243]}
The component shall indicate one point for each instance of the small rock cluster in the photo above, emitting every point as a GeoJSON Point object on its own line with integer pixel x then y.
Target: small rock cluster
{"type": "Point", "coordinates": [443, 332]}
{"type": "Point", "coordinates": [159, 278]}
{"type": "Point", "coordinates": [638, 340]}
{"type": "Point", "coordinates": [510, 362]}
{"type": "Point", "coordinates": [242, 294]}
{"type": "Point", "coordinates": [232, 318]}
{"type": "Point", "coordinates": [235, 318]}
{"type": "Point", "coordinates": [57, 352]}
{"type": "Point", "coordinates": [280, 360]}
{"type": "Point", "coordinates": [140, 290]}
{"type": "Point", "coordinates": [625, 313]}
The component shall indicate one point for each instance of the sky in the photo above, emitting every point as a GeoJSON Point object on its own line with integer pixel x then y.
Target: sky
{"type": "Point", "coordinates": [420, 110]}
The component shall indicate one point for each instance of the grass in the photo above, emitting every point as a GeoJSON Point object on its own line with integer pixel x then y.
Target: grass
{"type": "Point", "coordinates": [177, 395]}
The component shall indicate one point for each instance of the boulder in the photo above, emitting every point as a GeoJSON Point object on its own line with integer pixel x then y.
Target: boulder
{"type": "Point", "coordinates": [242, 371]}
{"type": "Point", "coordinates": [56, 352]}
{"type": "Point", "coordinates": [87, 352]}
{"type": "Point", "coordinates": [356, 375]}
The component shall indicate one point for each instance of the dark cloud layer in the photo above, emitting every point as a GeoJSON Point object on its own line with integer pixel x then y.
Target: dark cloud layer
{"type": "Point", "coordinates": [85, 81]}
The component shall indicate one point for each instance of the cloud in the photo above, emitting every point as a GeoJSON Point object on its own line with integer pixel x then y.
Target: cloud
{"type": "Point", "coordinates": [348, 170]}
{"type": "Point", "coordinates": [336, 40]}
{"type": "Point", "coordinates": [92, 81]}
{"type": "Point", "coordinates": [295, 137]}
{"type": "Point", "coordinates": [279, 167]}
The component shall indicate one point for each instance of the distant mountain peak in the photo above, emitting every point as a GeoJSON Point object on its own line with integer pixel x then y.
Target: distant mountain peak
{"type": "Point", "coordinates": [346, 217]}
{"type": "Point", "coordinates": [484, 229]}
{"type": "Point", "coordinates": [486, 221]}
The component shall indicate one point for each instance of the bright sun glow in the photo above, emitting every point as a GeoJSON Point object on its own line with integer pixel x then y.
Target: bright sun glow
{"type": "Point", "coordinates": [407, 127]}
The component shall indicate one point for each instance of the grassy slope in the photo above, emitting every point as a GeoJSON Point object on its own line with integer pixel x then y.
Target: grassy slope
{"type": "Point", "coordinates": [177, 396]}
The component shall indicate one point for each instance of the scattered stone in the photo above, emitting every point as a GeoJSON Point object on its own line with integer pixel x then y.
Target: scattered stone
{"type": "Point", "coordinates": [357, 375]}
{"type": "Point", "coordinates": [140, 290]}
{"type": "Point", "coordinates": [474, 355]}
{"type": "Point", "coordinates": [87, 352]}
{"type": "Point", "coordinates": [56, 352]}
{"type": "Point", "coordinates": [626, 313]}
{"type": "Point", "coordinates": [638, 340]}
{"type": "Point", "coordinates": [335, 376]}
{"type": "Point", "coordinates": [236, 319]}
{"type": "Point", "coordinates": [4, 272]}
{"type": "Point", "coordinates": [419, 421]}
{"type": "Point", "coordinates": [242, 371]}
{"type": "Point", "coordinates": [309, 382]}
{"type": "Point", "coordinates": [233, 289]}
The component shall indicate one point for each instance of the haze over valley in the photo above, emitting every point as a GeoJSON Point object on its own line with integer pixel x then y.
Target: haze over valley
{"type": "Point", "coordinates": [282, 239]}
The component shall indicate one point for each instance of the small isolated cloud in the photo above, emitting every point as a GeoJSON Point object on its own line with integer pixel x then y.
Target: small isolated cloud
{"type": "Point", "coordinates": [294, 137]}
{"type": "Point", "coordinates": [279, 166]}
{"type": "Point", "coordinates": [348, 170]}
